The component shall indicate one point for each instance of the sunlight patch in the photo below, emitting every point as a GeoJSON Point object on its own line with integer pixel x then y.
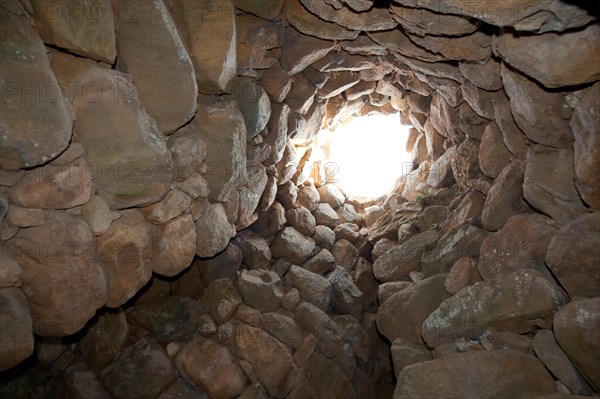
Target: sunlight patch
{"type": "Point", "coordinates": [369, 154]}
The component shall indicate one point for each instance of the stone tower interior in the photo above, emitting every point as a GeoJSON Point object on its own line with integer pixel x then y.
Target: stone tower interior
{"type": "Point", "coordinates": [172, 225]}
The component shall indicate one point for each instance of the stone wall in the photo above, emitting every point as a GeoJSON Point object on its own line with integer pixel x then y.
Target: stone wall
{"type": "Point", "coordinates": [155, 208]}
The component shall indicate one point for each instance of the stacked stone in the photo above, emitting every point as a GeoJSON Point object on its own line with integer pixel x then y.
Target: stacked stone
{"type": "Point", "coordinates": [140, 138]}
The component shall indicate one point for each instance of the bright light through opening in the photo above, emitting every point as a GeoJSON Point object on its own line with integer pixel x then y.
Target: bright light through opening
{"type": "Point", "coordinates": [370, 154]}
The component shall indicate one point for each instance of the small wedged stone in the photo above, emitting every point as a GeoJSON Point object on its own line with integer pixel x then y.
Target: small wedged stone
{"type": "Point", "coordinates": [255, 249]}
{"type": "Point", "coordinates": [174, 203]}
{"type": "Point", "coordinates": [126, 249]}
{"type": "Point", "coordinates": [326, 216]}
{"type": "Point", "coordinates": [302, 220]}
{"type": "Point", "coordinates": [254, 105]}
{"type": "Point", "coordinates": [404, 355]}
{"type": "Point", "coordinates": [54, 186]}
{"type": "Point", "coordinates": [283, 328]}
{"type": "Point", "coordinates": [106, 336]}
{"type": "Point", "coordinates": [463, 274]}
{"type": "Point", "coordinates": [474, 47]}
{"type": "Point", "coordinates": [250, 194]}
{"type": "Point", "coordinates": [483, 75]}
{"type": "Point", "coordinates": [222, 299]}
{"type": "Point", "coordinates": [276, 83]}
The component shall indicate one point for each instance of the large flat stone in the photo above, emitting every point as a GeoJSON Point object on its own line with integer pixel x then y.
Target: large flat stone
{"type": "Point", "coordinates": [576, 328]}
{"type": "Point", "coordinates": [148, 48]}
{"type": "Point", "coordinates": [126, 250]}
{"type": "Point", "coordinates": [213, 231]}
{"type": "Point", "coordinates": [518, 303]}
{"type": "Point", "coordinates": [423, 22]}
{"type": "Point", "coordinates": [554, 60]}
{"type": "Point", "coordinates": [83, 27]}
{"type": "Point", "coordinates": [520, 244]}
{"type": "Point", "coordinates": [538, 17]}
{"type": "Point", "coordinates": [537, 112]}
{"type": "Point", "coordinates": [473, 47]}
{"type": "Point", "coordinates": [54, 186]}
{"type": "Point", "coordinates": [586, 147]}
{"type": "Point", "coordinates": [270, 359]}
{"type": "Point", "coordinates": [173, 245]}
{"type": "Point", "coordinates": [258, 42]}
{"type": "Point", "coordinates": [402, 315]}
{"type": "Point", "coordinates": [308, 23]}
{"type": "Point", "coordinates": [375, 19]}
{"type": "Point", "coordinates": [129, 161]}
{"type": "Point", "coordinates": [36, 121]}
{"type": "Point", "coordinates": [63, 278]}
{"type": "Point", "coordinates": [549, 185]}
{"type": "Point", "coordinates": [208, 29]}
{"type": "Point", "coordinates": [221, 126]}
{"type": "Point", "coordinates": [291, 245]}
{"type": "Point", "coordinates": [580, 274]}
{"type": "Point", "coordinates": [476, 374]}
{"type": "Point", "coordinates": [212, 367]}
{"type": "Point", "coordinates": [505, 198]}
{"type": "Point", "coordinates": [299, 51]}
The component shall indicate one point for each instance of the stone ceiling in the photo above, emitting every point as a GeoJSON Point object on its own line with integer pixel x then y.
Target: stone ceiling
{"type": "Point", "coordinates": [138, 136]}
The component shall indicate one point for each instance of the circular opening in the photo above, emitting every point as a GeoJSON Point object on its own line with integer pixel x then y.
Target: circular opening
{"type": "Point", "coordinates": [367, 155]}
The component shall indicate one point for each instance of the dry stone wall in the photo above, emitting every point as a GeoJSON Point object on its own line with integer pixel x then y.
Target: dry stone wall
{"type": "Point", "coordinates": [160, 237]}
